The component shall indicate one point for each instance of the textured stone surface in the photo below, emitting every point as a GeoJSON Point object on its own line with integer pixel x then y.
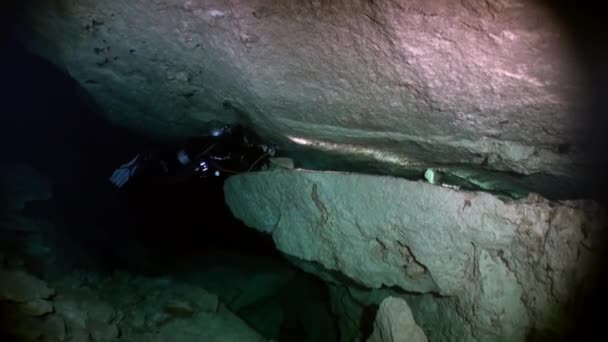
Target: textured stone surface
{"type": "Point", "coordinates": [395, 323]}
{"type": "Point", "coordinates": [472, 82]}
{"type": "Point", "coordinates": [112, 307]}
{"type": "Point", "coordinates": [508, 267]}
{"type": "Point", "coordinates": [21, 287]}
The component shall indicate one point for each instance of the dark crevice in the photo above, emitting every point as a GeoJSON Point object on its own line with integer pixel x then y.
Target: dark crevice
{"type": "Point", "coordinates": [157, 231]}
{"type": "Point", "coordinates": [508, 185]}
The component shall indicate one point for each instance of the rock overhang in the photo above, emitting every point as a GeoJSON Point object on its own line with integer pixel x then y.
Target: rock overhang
{"type": "Point", "coordinates": [492, 86]}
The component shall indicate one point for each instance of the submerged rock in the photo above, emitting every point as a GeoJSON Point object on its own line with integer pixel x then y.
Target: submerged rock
{"type": "Point", "coordinates": [22, 287]}
{"type": "Point", "coordinates": [467, 82]}
{"type": "Point", "coordinates": [504, 267]}
{"type": "Point", "coordinates": [395, 323]}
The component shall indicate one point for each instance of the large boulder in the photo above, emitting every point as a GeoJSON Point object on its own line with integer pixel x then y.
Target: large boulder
{"type": "Point", "coordinates": [505, 267]}
{"type": "Point", "coordinates": [475, 82]}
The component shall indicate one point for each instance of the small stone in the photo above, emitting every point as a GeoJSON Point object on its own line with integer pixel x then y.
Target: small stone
{"type": "Point", "coordinates": [395, 323]}
{"type": "Point", "coordinates": [36, 307]}
{"type": "Point", "coordinates": [431, 176]}
{"type": "Point", "coordinates": [19, 286]}
{"type": "Point", "coordinates": [282, 162]}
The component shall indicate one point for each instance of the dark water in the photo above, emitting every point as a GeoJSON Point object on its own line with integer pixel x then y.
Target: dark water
{"type": "Point", "coordinates": [49, 124]}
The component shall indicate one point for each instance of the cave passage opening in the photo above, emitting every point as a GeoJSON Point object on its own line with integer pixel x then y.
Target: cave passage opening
{"type": "Point", "coordinates": [186, 233]}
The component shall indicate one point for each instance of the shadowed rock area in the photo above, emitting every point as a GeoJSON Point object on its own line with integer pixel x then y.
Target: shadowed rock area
{"type": "Point", "coordinates": [56, 285]}
{"type": "Point", "coordinates": [87, 307]}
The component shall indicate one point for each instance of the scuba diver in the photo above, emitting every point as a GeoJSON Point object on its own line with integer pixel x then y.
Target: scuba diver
{"type": "Point", "coordinates": [226, 151]}
{"type": "Point", "coordinates": [169, 197]}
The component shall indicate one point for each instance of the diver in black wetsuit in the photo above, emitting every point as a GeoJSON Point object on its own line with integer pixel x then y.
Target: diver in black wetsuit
{"type": "Point", "coordinates": [171, 196]}
{"type": "Point", "coordinates": [226, 151]}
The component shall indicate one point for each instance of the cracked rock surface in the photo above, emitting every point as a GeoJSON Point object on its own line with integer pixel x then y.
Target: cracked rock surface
{"type": "Point", "coordinates": [474, 82]}
{"type": "Point", "coordinates": [504, 267]}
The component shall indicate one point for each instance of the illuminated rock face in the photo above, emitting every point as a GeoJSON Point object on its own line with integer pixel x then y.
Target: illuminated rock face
{"type": "Point", "coordinates": [502, 269]}
{"type": "Point", "coordinates": [469, 82]}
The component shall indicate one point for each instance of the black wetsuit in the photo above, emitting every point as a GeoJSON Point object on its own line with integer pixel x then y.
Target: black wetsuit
{"type": "Point", "coordinates": [173, 203]}
{"type": "Point", "coordinates": [211, 159]}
